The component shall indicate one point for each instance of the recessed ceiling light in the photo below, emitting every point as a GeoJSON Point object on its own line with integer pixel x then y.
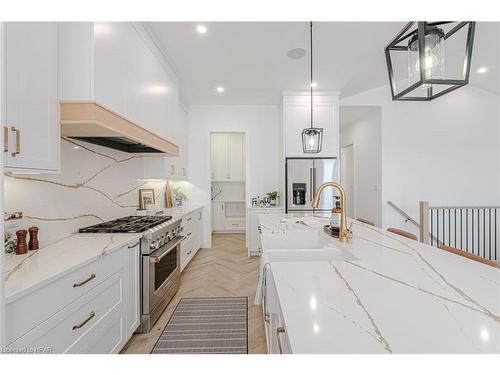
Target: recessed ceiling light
{"type": "Point", "coordinates": [202, 29]}
{"type": "Point", "coordinates": [76, 147]}
{"type": "Point", "coordinates": [314, 84]}
{"type": "Point", "coordinates": [220, 89]}
{"type": "Point", "coordinates": [482, 70]}
{"type": "Point", "coordinates": [296, 53]}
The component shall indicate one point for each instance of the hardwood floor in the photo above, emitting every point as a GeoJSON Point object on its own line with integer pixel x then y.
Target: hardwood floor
{"type": "Point", "coordinates": [222, 271]}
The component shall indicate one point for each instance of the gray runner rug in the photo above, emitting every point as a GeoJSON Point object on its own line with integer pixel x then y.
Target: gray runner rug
{"type": "Point", "coordinates": [206, 326]}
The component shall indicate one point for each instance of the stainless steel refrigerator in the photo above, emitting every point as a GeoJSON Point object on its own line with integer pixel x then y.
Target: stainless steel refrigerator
{"type": "Point", "coordinates": [303, 176]}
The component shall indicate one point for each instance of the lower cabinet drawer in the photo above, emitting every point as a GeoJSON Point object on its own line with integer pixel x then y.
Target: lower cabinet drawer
{"type": "Point", "coordinates": [235, 224]}
{"type": "Point", "coordinates": [188, 224]}
{"type": "Point", "coordinates": [187, 250]}
{"type": "Point", "coordinates": [75, 327]}
{"type": "Point", "coordinates": [31, 310]}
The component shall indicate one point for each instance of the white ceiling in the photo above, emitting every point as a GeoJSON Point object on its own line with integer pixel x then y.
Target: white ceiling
{"type": "Point", "coordinates": [250, 59]}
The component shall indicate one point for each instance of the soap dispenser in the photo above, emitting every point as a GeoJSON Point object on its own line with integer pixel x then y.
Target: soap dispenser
{"type": "Point", "coordinates": [335, 218]}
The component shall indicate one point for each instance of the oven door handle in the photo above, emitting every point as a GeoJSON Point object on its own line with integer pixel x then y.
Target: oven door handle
{"type": "Point", "coordinates": [157, 259]}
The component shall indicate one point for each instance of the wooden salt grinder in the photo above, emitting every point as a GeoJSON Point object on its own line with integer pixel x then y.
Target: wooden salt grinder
{"type": "Point", "coordinates": [33, 244]}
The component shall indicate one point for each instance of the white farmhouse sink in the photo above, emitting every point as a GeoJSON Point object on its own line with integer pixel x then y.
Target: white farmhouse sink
{"type": "Point", "coordinates": [302, 245]}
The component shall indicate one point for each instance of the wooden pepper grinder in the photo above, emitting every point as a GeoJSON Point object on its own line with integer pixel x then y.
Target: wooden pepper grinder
{"type": "Point", "coordinates": [33, 244]}
{"type": "Point", "coordinates": [21, 246]}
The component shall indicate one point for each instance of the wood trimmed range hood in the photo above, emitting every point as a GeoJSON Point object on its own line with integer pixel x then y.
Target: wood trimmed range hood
{"type": "Point", "coordinates": [90, 122]}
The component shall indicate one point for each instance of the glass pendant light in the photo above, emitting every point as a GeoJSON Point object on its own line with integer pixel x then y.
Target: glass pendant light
{"type": "Point", "coordinates": [420, 73]}
{"type": "Point", "coordinates": [433, 56]}
{"type": "Point", "coordinates": [312, 138]}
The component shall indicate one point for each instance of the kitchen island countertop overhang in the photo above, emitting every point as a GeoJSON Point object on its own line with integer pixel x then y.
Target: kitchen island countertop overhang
{"type": "Point", "coordinates": [398, 296]}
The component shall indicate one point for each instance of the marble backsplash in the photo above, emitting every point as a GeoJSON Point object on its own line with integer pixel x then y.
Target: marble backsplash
{"type": "Point", "coordinates": [96, 184]}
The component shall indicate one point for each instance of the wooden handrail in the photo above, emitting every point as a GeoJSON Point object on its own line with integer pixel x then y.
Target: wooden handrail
{"type": "Point", "coordinates": [407, 217]}
{"type": "Point", "coordinates": [410, 219]}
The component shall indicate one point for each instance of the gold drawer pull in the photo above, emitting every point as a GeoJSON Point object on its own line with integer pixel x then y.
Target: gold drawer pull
{"type": "Point", "coordinates": [18, 140]}
{"type": "Point", "coordinates": [78, 326]}
{"type": "Point", "coordinates": [134, 245]}
{"type": "Point", "coordinates": [76, 285]}
{"type": "Point", "coordinates": [278, 331]}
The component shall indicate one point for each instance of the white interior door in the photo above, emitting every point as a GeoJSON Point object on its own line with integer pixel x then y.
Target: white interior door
{"type": "Point", "coordinates": [347, 178]}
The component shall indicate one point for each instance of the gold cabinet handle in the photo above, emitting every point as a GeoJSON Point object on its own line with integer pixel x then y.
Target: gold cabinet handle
{"type": "Point", "coordinates": [5, 139]}
{"type": "Point", "coordinates": [78, 326]}
{"type": "Point", "coordinates": [76, 285]}
{"type": "Point", "coordinates": [18, 140]}
{"type": "Point", "coordinates": [278, 331]}
{"type": "Point", "coordinates": [134, 245]}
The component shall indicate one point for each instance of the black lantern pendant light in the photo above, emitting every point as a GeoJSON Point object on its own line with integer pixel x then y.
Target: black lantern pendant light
{"type": "Point", "coordinates": [312, 137]}
{"type": "Point", "coordinates": [428, 74]}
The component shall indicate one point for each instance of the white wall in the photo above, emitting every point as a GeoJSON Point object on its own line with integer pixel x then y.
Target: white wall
{"type": "Point", "coordinates": [96, 184]}
{"type": "Point", "coordinates": [260, 125]}
{"type": "Point", "coordinates": [446, 151]}
{"type": "Point", "coordinates": [365, 134]}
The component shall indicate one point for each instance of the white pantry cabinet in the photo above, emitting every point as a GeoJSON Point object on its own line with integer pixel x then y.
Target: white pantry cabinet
{"type": "Point", "coordinates": [118, 65]}
{"type": "Point", "coordinates": [192, 230]}
{"type": "Point", "coordinates": [30, 108]}
{"type": "Point", "coordinates": [228, 157]}
{"type": "Point", "coordinates": [93, 309]}
{"type": "Point", "coordinates": [224, 218]}
{"type": "Point", "coordinates": [297, 116]}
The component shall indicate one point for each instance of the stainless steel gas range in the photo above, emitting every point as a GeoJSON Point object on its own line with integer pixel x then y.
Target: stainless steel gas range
{"type": "Point", "coordinates": [160, 263]}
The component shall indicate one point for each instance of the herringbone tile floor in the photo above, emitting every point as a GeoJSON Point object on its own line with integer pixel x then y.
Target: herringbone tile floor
{"type": "Point", "coordinates": [222, 271]}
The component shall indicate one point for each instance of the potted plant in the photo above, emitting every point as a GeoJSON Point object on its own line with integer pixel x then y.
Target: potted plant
{"type": "Point", "coordinates": [273, 196]}
{"type": "Point", "coordinates": [179, 196]}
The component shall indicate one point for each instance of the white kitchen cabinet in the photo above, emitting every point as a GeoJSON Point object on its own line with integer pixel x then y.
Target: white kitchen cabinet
{"type": "Point", "coordinates": [253, 227]}
{"type": "Point", "coordinates": [31, 107]}
{"type": "Point", "coordinates": [236, 165]}
{"type": "Point", "coordinates": [220, 157]}
{"type": "Point", "coordinates": [274, 324]}
{"type": "Point", "coordinates": [228, 157]}
{"type": "Point", "coordinates": [199, 228]}
{"type": "Point", "coordinates": [218, 216]}
{"type": "Point", "coordinates": [223, 221]}
{"type": "Point", "coordinates": [132, 288]}
{"type": "Point", "coordinates": [192, 230]}
{"type": "Point", "coordinates": [94, 308]}
{"type": "Point", "coordinates": [297, 116]}
{"type": "Point", "coordinates": [171, 167]}
{"type": "Point", "coordinates": [117, 65]}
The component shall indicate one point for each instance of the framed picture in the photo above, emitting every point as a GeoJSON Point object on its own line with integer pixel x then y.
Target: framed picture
{"type": "Point", "coordinates": [146, 196]}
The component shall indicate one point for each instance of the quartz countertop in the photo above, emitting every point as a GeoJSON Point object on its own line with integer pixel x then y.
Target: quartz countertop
{"type": "Point", "coordinates": [25, 273]}
{"type": "Point", "coordinates": [400, 296]}
{"type": "Point", "coordinates": [181, 211]}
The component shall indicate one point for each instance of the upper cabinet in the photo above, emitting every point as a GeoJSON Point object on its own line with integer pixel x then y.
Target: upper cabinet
{"type": "Point", "coordinates": [297, 116]}
{"type": "Point", "coordinates": [172, 167]}
{"type": "Point", "coordinates": [118, 65]}
{"type": "Point", "coordinates": [228, 161]}
{"type": "Point", "coordinates": [30, 108]}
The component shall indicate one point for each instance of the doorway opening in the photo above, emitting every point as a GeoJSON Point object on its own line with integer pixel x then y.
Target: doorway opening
{"type": "Point", "coordinates": [360, 137]}
{"type": "Point", "coordinates": [227, 152]}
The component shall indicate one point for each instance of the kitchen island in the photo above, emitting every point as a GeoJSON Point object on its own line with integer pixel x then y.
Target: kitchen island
{"type": "Point", "coordinates": [379, 293]}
